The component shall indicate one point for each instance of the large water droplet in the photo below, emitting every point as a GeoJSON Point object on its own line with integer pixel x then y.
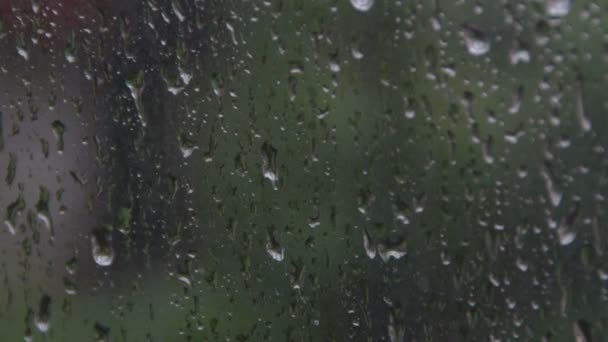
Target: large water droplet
{"type": "Point", "coordinates": [557, 8]}
{"type": "Point", "coordinates": [368, 244]}
{"type": "Point", "coordinates": [392, 249]}
{"type": "Point", "coordinates": [101, 247]}
{"type": "Point", "coordinates": [553, 192]}
{"type": "Point", "coordinates": [269, 164]}
{"type": "Point", "coordinates": [274, 248]}
{"type": "Point", "coordinates": [565, 230]}
{"type": "Point", "coordinates": [102, 332]}
{"type": "Point", "coordinates": [1, 132]}
{"type": "Point", "coordinates": [43, 316]}
{"type": "Point", "coordinates": [476, 41]}
{"type": "Point", "coordinates": [136, 85]}
{"type": "Point", "coordinates": [362, 5]}
{"type": "Point", "coordinates": [58, 131]}
{"type": "Point", "coordinates": [42, 207]}
{"type": "Point", "coordinates": [11, 169]}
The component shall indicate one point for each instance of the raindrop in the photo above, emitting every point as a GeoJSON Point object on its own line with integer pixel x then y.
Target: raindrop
{"type": "Point", "coordinates": [42, 207]}
{"type": "Point", "coordinates": [362, 5]}
{"type": "Point", "coordinates": [23, 52]}
{"type": "Point", "coordinates": [102, 333]}
{"type": "Point", "coordinates": [101, 246]}
{"type": "Point", "coordinates": [11, 169]}
{"type": "Point", "coordinates": [553, 192]}
{"type": "Point", "coordinates": [58, 131]}
{"type": "Point", "coordinates": [392, 249]}
{"type": "Point", "coordinates": [12, 210]}
{"type": "Point", "coordinates": [565, 230]}
{"type": "Point", "coordinates": [583, 120]}
{"type": "Point", "coordinates": [476, 41]}
{"type": "Point", "coordinates": [42, 319]}
{"type": "Point", "coordinates": [368, 244]}
{"type": "Point", "coordinates": [1, 132]}
{"type": "Point", "coordinates": [178, 10]}
{"type": "Point", "coordinates": [136, 86]}
{"type": "Point", "coordinates": [186, 144]}
{"type": "Point", "coordinates": [582, 331]}
{"type": "Point", "coordinates": [557, 8]}
{"type": "Point", "coordinates": [269, 164]}
{"type": "Point", "coordinates": [396, 329]}
{"type": "Point", "coordinates": [274, 248]}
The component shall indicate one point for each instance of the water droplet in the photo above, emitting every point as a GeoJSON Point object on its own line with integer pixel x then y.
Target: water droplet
{"type": "Point", "coordinates": [555, 195]}
{"type": "Point", "coordinates": [392, 249]}
{"type": "Point", "coordinates": [23, 52]}
{"type": "Point", "coordinates": [183, 272]}
{"type": "Point", "coordinates": [557, 8]}
{"type": "Point", "coordinates": [11, 169]}
{"type": "Point", "coordinates": [396, 329]}
{"type": "Point", "coordinates": [565, 230]}
{"type": "Point", "coordinates": [70, 50]}
{"type": "Point", "coordinates": [516, 100]}
{"type": "Point", "coordinates": [102, 332]}
{"type": "Point", "coordinates": [36, 6]}
{"type": "Point", "coordinates": [362, 5]}
{"type": "Point", "coordinates": [274, 249]}
{"type": "Point", "coordinates": [476, 41]}
{"type": "Point", "coordinates": [582, 331]}
{"type": "Point", "coordinates": [27, 336]}
{"type": "Point", "coordinates": [186, 144]}
{"type": "Point", "coordinates": [269, 164]}
{"type": "Point", "coordinates": [136, 85]}
{"type": "Point", "coordinates": [58, 130]}
{"type": "Point", "coordinates": [44, 147]}
{"type": "Point", "coordinates": [519, 54]}
{"type": "Point", "coordinates": [42, 207]}
{"type": "Point", "coordinates": [357, 54]}
{"type": "Point", "coordinates": [123, 220]}
{"type": "Point", "coordinates": [69, 287]}
{"type": "Point", "coordinates": [43, 316]}
{"type": "Point", "coordinates": [583, 120]}
{"type": "Point", "coordinates": [185, 75]}
{"type": "Point", "coordinates": [368, 244]}
{"type": "Point", "coordinates": [178, 10]}
{"type": "Point", "coordinates": [101, 247]}
{"type": "Point", "coordinates": [15, 208]}
{"type": "Point", "coordinates": [1, 132]}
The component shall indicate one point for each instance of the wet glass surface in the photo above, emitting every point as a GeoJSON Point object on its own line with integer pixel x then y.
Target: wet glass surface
{"type": "Point", "coordinates": [306, 170]}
